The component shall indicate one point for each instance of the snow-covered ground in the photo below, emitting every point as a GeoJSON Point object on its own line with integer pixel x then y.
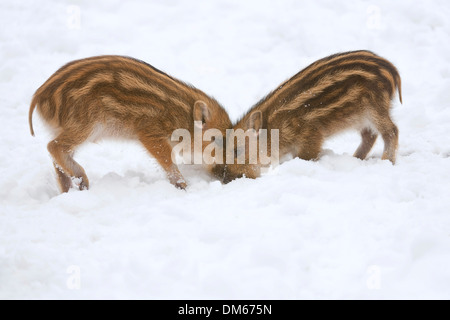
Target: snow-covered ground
{"type": "Point", "coordinates": [335, 228]}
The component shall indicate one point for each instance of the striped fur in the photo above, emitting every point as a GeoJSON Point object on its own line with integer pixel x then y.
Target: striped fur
{"type": "Point", "coordinates": [120, 97]}
{"type": "Point", "coordinates": [339, 92]}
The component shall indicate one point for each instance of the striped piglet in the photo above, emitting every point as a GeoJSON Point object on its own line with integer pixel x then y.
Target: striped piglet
{"type": "Point", "coordinates": [119, 97]}
{"type": "Point", "coordinates": [351, 90]}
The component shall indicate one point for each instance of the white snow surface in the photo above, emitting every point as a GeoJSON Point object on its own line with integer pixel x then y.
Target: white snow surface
{"type": "Point", "coordinates": [337, 228]}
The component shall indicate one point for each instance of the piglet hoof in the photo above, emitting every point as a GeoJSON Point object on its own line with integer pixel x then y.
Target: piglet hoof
{"type": "Point", "coordinates": [181, 185]}
{"type": "Point", "coordinates": [386, 157]}
{"type": "Point", "coordinates": [83, 186]}
{"type": "Point", "coordinates": [81, 183]}
{"type": "Point", "coordinates": [178, 181]}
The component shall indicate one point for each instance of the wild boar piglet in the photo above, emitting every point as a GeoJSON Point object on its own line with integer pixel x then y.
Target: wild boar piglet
{"type": "Point", "coordinates": [120, 97]}
{"type": "Point", "coordinates": [351, 90]}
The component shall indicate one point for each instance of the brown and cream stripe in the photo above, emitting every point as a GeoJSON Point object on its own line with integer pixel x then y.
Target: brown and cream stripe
{"type": "Point", "coordinates": [128, 81]}
{"type": "Point", "coordinates": [326, 81]}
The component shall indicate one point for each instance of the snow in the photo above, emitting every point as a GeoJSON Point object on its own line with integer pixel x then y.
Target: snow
{"type": "Point", "coordinates": [331, 229]}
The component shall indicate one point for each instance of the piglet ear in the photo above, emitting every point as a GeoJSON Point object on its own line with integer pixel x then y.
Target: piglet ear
{"type": "Point", "coordinates": [255, 121]}
{"type": "Point", "coordinates": [202, 114]}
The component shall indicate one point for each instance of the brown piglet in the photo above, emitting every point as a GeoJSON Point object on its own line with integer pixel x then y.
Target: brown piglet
{"type": "Point", "coordinates": [351, 90]}
{"type": "Point", "coordinates": [119, 97]}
